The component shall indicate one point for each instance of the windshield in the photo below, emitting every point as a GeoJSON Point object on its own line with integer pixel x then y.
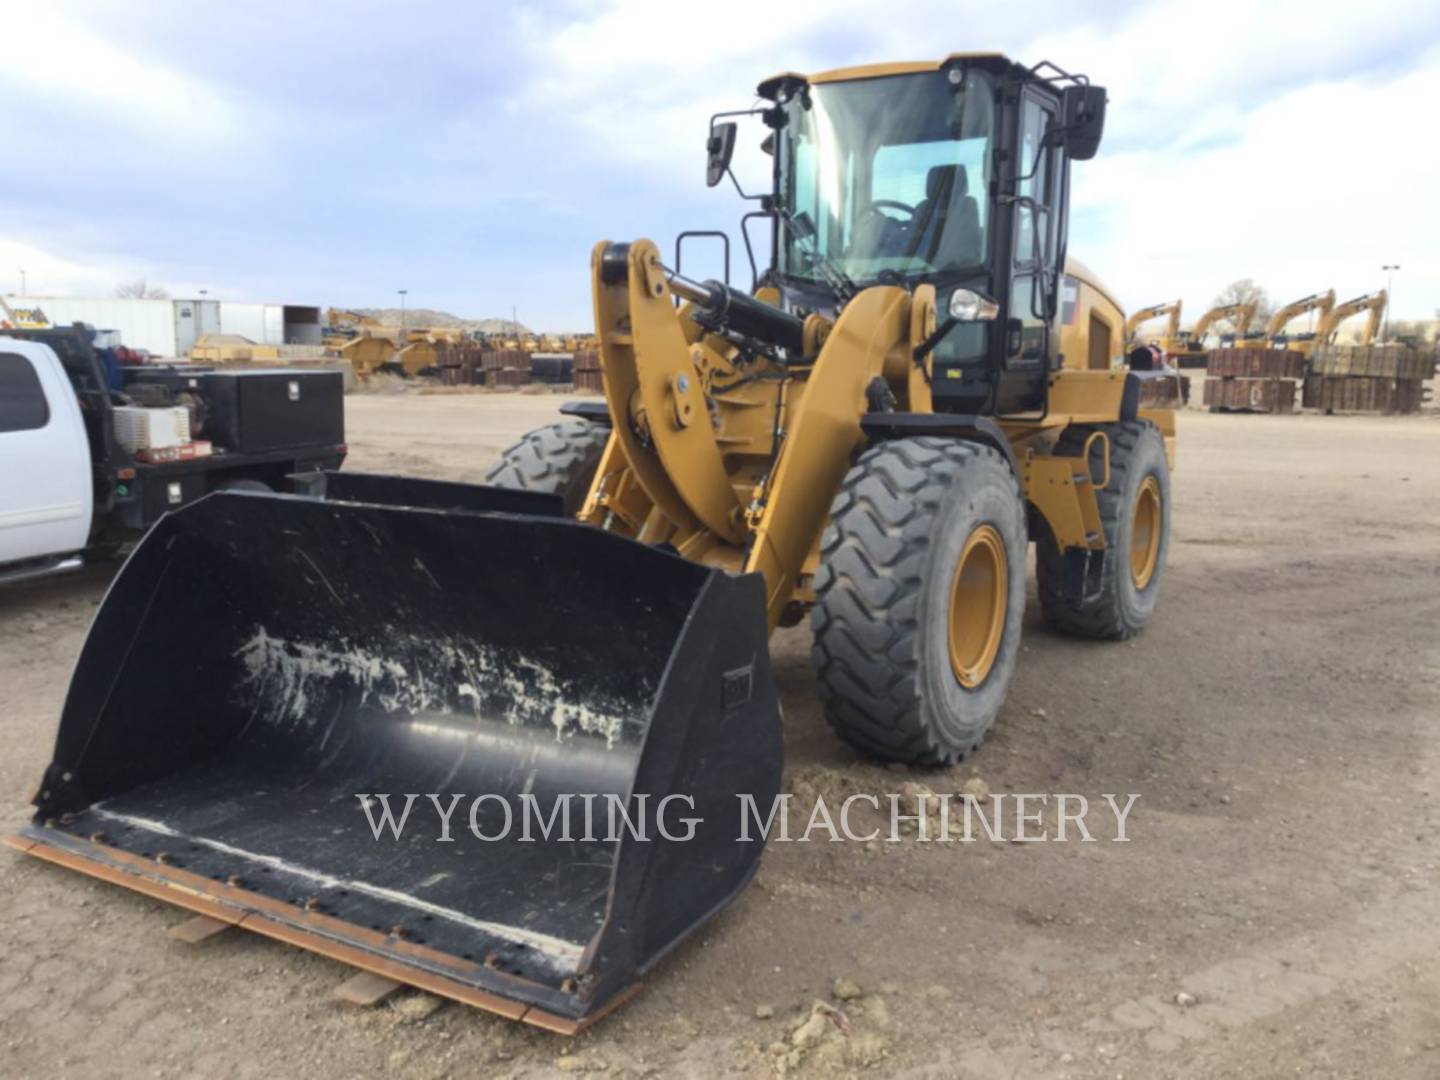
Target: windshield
{"type": "Point", "coordinates": [890, 172]}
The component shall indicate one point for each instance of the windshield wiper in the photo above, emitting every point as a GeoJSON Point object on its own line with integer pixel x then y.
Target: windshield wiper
{"type": "Point", "coordinates": [804, 232]}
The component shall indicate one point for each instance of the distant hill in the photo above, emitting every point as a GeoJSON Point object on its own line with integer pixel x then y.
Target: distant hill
{"type": "Point", "coordinates": [431, 317]}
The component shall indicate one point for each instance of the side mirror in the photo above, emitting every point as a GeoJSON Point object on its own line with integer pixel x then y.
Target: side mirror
{"type": "Point", "coordinates": [720, 148]}
{"type": "Point", "coordinates": [1082, 111]}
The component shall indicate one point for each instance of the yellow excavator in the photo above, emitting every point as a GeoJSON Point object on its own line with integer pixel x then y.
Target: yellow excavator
{"type": "Point", "coordinates": [1190, 350]}
{"type": "Point", "coordinates": [1171, 336]}
{"type": "Point", "coordinates": [1372, 304]}
{"type": "Point", "coordinates": [1275, 334]}
{"type": "Point", "coordinates": [512, 742]}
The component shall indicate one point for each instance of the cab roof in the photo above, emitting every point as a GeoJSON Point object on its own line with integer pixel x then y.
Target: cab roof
{"type": "Point", "coordinates": [769, 88]}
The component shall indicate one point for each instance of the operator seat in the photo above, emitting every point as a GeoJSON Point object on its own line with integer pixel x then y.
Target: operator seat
{"type": "Point", "coordinates": [947, 221]}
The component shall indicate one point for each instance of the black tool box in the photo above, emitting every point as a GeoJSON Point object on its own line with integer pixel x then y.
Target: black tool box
{"type": "Point", "coordinates": [256, 411]}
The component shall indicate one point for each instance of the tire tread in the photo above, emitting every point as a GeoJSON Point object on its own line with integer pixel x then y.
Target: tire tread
{"type": "Point", "coordinates": [869, 588]}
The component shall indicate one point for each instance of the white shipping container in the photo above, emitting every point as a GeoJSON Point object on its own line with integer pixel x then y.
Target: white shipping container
{"type": "Point", "coordinates": [247, 320]}
{"type": "Point", "coordinates": [264, 324]}
{"type": "Point", "coordinates": [274, 324]}
{"type": "Point", "coordinates": [169, 328]}
{"type": "Point", "coordinates": [142, 324]}
{"type": "Point", "coordinates": [193, 320]}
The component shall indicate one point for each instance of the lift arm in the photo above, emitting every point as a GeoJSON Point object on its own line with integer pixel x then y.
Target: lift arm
{"type": "Point", "coordinates": [1144, 315]}
{"type": "Point", "coordinates": [1321, 302]}
{"type": "Point", "coordinates": [1374, 303]}
{"type": "Point", "coordinates": [1240, 316]}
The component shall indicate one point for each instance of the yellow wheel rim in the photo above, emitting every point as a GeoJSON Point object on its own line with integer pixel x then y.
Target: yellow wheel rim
{"type": "Point", "coordinates": [979, 594]}
{"type": "Point", "coordinates": [1145, 533]}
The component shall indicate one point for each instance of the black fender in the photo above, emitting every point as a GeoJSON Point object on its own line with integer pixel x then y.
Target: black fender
{"type": "Point", "coordinates": [884, 426]}
{"type": "Point", "coordinates": [597, 412]}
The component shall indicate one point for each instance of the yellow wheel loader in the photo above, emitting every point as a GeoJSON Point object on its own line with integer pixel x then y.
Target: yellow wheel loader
{"type": "Point", "coordinates": [512, 743]}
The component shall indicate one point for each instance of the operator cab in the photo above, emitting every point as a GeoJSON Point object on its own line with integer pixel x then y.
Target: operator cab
{"type": "Point", "coordinates": [953, 173]}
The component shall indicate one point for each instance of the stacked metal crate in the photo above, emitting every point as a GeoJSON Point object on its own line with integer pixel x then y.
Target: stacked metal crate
{"type": "Point", "coordinates": [1368, 378]}
{"type": "Point", "coordinates": [587, 371]}
{"type": "Point", "coordinates": [1253, 380]}
{"type": "Point", "coordinates": [556, 369]}
{"type": "Point", "coordinates": [505, 367]}
{"type": "Point", "coordinates": [458, 362]}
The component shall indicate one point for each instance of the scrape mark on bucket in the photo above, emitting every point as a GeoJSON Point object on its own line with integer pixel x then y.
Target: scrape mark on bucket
{"type": "Point", "coordinates": [288, 681]}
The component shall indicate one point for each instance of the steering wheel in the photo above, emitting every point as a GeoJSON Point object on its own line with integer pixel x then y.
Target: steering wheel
{"type": "Point", "coordinates": [875, 206]}
{"type": "Point", "coordinates": [877, 233]}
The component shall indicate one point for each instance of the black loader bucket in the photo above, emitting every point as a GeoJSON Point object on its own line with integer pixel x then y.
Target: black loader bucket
{"type": "Point", "coordinates": [272, 680]}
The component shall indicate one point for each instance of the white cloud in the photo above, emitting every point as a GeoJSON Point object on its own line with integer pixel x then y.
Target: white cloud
{"type": "Point", "coordinates": [639, 78]}
{"type": "Point", "coordinates": [1243, 139]}
{"type": "Point", "coordinates": [1283, 141]}
{"type": "Point", "coordinates": [45, 274]}
{"type": "Point", "coordinates": [1316, 189]}
{"type": "Point", "coordinates": [57, 59]}
{"type": "Point", "coordinates": [90, 274]}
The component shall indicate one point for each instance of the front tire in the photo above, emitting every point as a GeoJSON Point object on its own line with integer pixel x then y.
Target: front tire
{"type": "Point", "coordinates": [920, 596]}
{"type": "Point", "coordinates": [560, 459]}
{"type": "Point", "coordinates": [1118, 601]}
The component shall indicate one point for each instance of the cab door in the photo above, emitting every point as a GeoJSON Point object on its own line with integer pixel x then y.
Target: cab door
{"type": "Point", "coordinates": [1038, 248]}
{"type": "Point", "coordinates": [46, 495]}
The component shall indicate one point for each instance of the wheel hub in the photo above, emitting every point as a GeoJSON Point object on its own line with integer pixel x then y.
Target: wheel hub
{"type": "Point", "coordinates": [979, 594]}
{"type": "Point", "coordinates": [1145, 533]}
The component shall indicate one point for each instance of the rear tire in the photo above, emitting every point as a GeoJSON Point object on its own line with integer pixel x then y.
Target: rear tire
{"type": "Point", "coordinates": [1125, 591]}
{"type": "Point", "coordinates": [920, 596]}
{"type": "Point", "coordinates": [560, 459]}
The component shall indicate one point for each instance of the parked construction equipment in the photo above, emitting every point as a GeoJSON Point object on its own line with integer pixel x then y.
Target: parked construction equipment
{"type": "Point", "coordinates": [1303, 342]}
{"type": "Point", "coordinates": [1371, 304]}
{"type": "Point", "coordinates": [1171, 335]}
{"type": "Point", "coordinates": [1365, 377]}
{"type": "Point", "coordinates": [920, 386]}
{"type": "Point", "coordinates": [1360, 378]}
{"type": "Point", "coordinates": [1190, 349]}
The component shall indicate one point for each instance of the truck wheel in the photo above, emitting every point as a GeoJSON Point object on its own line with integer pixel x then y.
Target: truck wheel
{"type": "Point", "coordinates": [558, 458]}
{"type": "Point", "coordinates": [246, 485]}
{"type": "Point", "coordinates": [920, 595]}
{"type": "Point", "coordinates": [1116, 601]}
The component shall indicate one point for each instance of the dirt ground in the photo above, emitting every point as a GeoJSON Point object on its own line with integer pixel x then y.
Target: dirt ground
{"type": "Point", "coordinates": [1276, 911]}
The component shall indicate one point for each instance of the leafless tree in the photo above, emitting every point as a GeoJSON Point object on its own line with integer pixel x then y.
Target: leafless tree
{"type": "Point", "coordinates": [1244, 291]}
{"type": "Point", "coordinates": [140, 289]}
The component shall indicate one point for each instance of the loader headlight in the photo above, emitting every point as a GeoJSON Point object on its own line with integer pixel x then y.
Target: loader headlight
{"type": "Point", "coordinates": [967, 305]}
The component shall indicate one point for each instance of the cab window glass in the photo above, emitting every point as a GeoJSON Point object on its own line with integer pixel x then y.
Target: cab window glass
{"type": "Point", "coordinates": [22, 399]}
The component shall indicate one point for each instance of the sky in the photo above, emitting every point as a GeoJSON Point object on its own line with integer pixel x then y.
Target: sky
{"type": "Point", "coordinates": [473, 153]}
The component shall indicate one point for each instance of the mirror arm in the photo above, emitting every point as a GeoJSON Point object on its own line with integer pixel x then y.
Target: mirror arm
{"type": "Point", "coordinates": [1045, 144]}
{"type": "Point", "coordinates": [741, 191]}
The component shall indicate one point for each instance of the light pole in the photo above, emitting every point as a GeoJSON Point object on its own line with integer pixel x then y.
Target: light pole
{"type": "Point", "coordinates": [22, 279]}
{"type": "Point", "coordinates": [402, 313]}
{"type": "Point", "coordinates": [1389, 269]}
{"type": "Point", "coordinates": [200, 314]}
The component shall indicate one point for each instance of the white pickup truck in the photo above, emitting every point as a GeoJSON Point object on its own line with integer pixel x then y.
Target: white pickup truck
{"type": "Point", "coordinates": [70, 490]}
{"type": "Point", "coordinates": [46, 498]}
